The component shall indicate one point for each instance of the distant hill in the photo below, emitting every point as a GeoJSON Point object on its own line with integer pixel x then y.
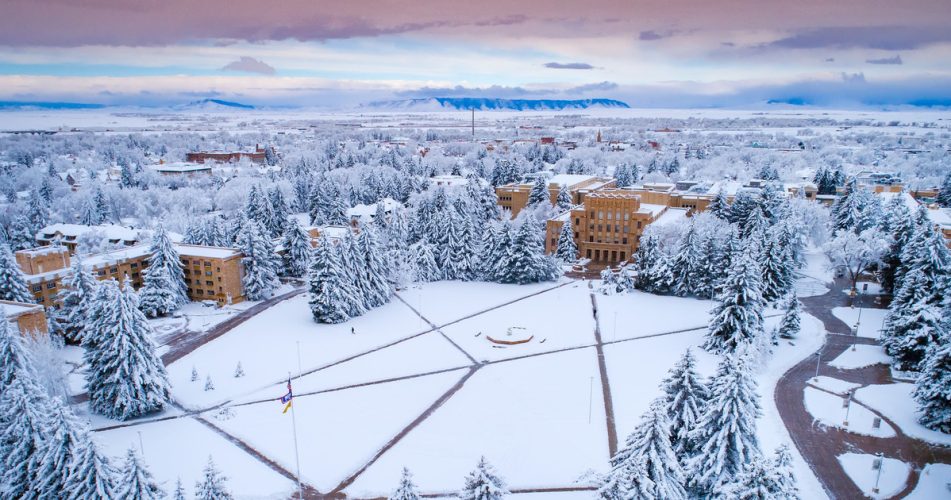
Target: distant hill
{"type": "Point", "coordinates": [212, 104]}
{"type": "Point", "coordinates": [47, 105]}
{"type": "Point", "coordinates": [488, 103]}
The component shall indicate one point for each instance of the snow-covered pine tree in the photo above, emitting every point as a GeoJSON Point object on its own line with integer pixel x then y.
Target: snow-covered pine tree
{"type": "Point", "coordinates": [563, 201]}
{"type": "Point", "coordinates": [785, 478]}
{"type": "Point", "coordinates": [24, 409]}
{"type": "Point", "coordinates": [407, 489]}
{"type": "Point", "coordinates": [63, 439]}
{"type": "Point", "coordinates": [213, 485]}
{"type": "Point", "coordinates": [296, 243]}
{"type": "Point", "coordinates": [944, 193]}
{"type": "Point", "coordinates": [209, 385]}
{"type": "Point", "coordinates": [494, 254]}
{"type": "Point", "coordinates": [608, 284]}
{"type": "Point", "coordinates": [159, 295]}
{"type": "Point", "coordinates": [719, 206]}
{"type": "Point", "coordinates": [528, 262]}
{"type": "Point", "coordinates": [12, 284]}
{"type": "Point", "coordinates": [179, 493]}
{"type": "Point", "coordinates": [38, 211]}
{"type": "Point", "coordinates": [135, 482]}
{"type": "Point", "coordinates": [483, 484]}
{"type": "Point", "coordinates": [622, 175]}
{"type": "Point", "coordinates": [776, 267]}
{"type": "Point", "coordinates": [20, 235]}
{"type": "Point", "coordinates": [933, 385]}
{"type": "Point", "coordinates": [686, 264]}
{"type": "Point", "coordinates": [847, 209]}
{"type": "Point", "coordinates": [279, 212]}
{"type": "Point", "coordinates": [332, 296]}
{"type": "Point", "coordinates": [756, 481]}
{"type": "Point", "coordinates": [627, 481]}
{"type": "Point", "coordinates": [726, 432]}
{"type": "Point", "coordinates": [125, 376]}
{"type": "Point", "coordinates": [426, 267]}
{"type": "Point", "coordinates": [375, 269]}
{"type": "Point", "coordinates": [91, 476]}
{"type": "Point", "coordinates": [738, 317]}
{"type": "Point", "coordinates": [790, 324]}
{"type": "Point", "coordinates": [163, 255]}
{"type": "Point", "coordinates": [646, 261]}
{"type": "Point", "coordinates": [625, 282]}
{"type": "Point", "coordinates": [15, 358]}
{"type": "Point", "coordinates": [260, 262]}
{"type": "Point", "coordinates": [79, 287]}
{"type": "Point", "coordinates": [686, 397]}
{"type": "Point", "coordinates": [650, 446]}
{"type": "Point", "coordinates": [539, 192]}
{"type": "Point", "coordinates": [567, 250]}
{"type": "Point", "coordinates": [912, 322]}
{"type": "Point", "coordinates": [898, 224]}
{"type": "Point", "coordinates": [351, 264]}
{"type": "Point", "coordinates": [711, 262]}
{"type": "Point", "coordinates": [755, 224]}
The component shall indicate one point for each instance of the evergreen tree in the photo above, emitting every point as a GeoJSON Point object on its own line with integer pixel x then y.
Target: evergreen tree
{"type": "Point", "coordinates": [135, 481]}
{"type": "Point", "coordinates": [20, 235]}
{"type": "Point", "coordinates": [790, 324]}
{"type": "Point", "coordinates": [756, 481]}
{"type": "Point", "coordinates": [166, 262]}
{"type": "Point", "coordinates": [406, 490]}
{"type": "Point", "coordinates": [686, 264]}
{"type": "Point", "coordinates": [277, 225]}
{"type": "Point", "coordinates": [719, 206]}
{"type": "Point", "coordinates": [15, 358]}
{"type": "Point", "coordinates": [777, 267]}
{"type": "Point", "coordinates": [899, 225]}
{"type": "Point", "coordinates": [126, 378]}
{"type": "Point", "coordinates": [91, 476]}
{"type": "Point", "coordinates": [455, 254]}
{"type": "Point", "coordinates": [23, 413]}
{"type": "Point", "coordinates": [738, 317]}
{"type": "Point", "coordinates": [426, 267]}
{"type": "Point", "coordinates": [710, 268]}
{"type": "Point", "coordinates": [79, 287]}
{"type": "Point", "coordinates": [912, 322]}
{"type": "Point", "coordinates": [726, 432]}
{"type": "Point", "coordinates": [375, 269]}
{"type": "Point", "coordinates": [847, 209]}
{"type": "Point", "coordinates": [331, 294]}
{"type": "Point", "coordinates": [38, 211]}
{"type": "Point", "coordinates": [567, 250]}
{"type": "Point", "coordinates": [351, 264]}
{"type": "Point", "coordinates": [102, 206]}
{"type": "Point", "coordinates": [179, 493]}
{"type": "Point", "coordinates": [483, 484]}
{"type": "Point", "coordinates": [64, 438]}
{"type": "Point", "coordinates": [686, 397]}
{"type": "Point", "coordinates": [539, 192]}
{"type": "Point", "coordinates": [650, 265]}
{"type": "Point", "coordinates": [622, 176]}
{"type": "Point", "coordinates": [933, 385]}
{"type": "Point", "coordinates": [213, 485]}
{"type": "Point", "coordinates": [297, 249]}
{"type": "Point", "coordinates": [944, 194]}
{"type": "Point", "coordinates": [564, 202]}
{"type": "Point", "coordinates": [649, 445]}
{"type": "Point", "coordinates": [12, 283]}
{"type": "Point", "coordinates": [260, 262]}
{"type": "Point", "coordinates": [627, 481]}
{"type": "Point", "coordinates": [744, 201]}
{"type": "Point", "coordinates": [786, 487]}
{"type": "Point", "coordinates": [528, 262]}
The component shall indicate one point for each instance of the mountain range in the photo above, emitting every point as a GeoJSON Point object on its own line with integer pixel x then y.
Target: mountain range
{"type": "Point", "coordinates": [488, 103]}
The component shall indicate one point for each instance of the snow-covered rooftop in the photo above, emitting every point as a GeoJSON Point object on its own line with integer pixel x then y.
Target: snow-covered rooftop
{"type": "Point", "coordinates": [72, 231]}
{"type": "Point", "coordinates": [653, 210]}
{"type": "Point", "coordinates": [181, 167]}
{"type": "Point", "coordinates": [940, 216]}
{"type": "Point", "coordinates": [13, 309]}
{"type": "Point", "coordinates": [569, 179]}
{"type": "Point", "coordinates": [907, 198]}
{"type": "Point", "coordinates": [368, 211]}
{"type": "Point", "coordinates": [44, 250]}
{"type": "Point", "coordinates": [671, 216]}
{"type": "Point", "coordinates": [333, 231]}
{"type": "Point", "coordinates": [204, 251]}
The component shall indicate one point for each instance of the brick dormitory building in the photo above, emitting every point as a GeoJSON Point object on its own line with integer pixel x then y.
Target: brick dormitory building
{"type": "Point", "coordinates": [211, 273]}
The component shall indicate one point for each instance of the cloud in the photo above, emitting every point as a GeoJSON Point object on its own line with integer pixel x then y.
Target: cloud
{"type": "Point", "coordinates": [574, 65]}
{"type": "Point", "coordinates": [886, 60]}
{"type": "Point", "coordinates": [872, 37]}
{"type": "Point", "coordinates": [651, 35]}
{"type": "Point", "coordinates": [250, 65]}
{"type": "Point", "coordinates": [853, 77]}
{"type": "Point", "coordinates": [592, 87]}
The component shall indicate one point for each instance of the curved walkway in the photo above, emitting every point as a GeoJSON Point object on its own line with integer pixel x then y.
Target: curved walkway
{"type": "Point", "coordinates": [821, 445]}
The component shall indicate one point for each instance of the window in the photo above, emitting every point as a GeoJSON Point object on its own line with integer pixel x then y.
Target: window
{"type": "Point", "coordinates": [622, 256]}
{"type": "Point", "coordinates": [588, 253]}
{"type": "Point", "coordinates": [186, 272]}
{"type": "Point", "coordinates": [210, 283]}
{"type": "Point", "coordinates": [617, 228]}
{"type": "Point", "coordinates": [610, 216]}
{"type": "Point", "coordinates": [185, 261]}
{"type": "Point", "coordinates": [600, 228]}
{"type": "Point", "coordinates": [188, 281]}
{"type": "Point", "coordinates": [626, 229]}
{"type": "Point", "coordinates": [218, 269]}
{"type": "Point", "coordinates": [600, 214]}
{"type": "Point", "coordinates": [51, 285]}
{"type": "Point", "coordinates": [577, 221]}
{"type": "Point", "coordinates": [207, 264]}
{"type": "Point", "coordinates": [101, 272]}
{"type": "Point", "coordinates": [627, 216]}
{"type": "Point", "coordinates": [135, 275]}
{"type": "Point", "coordinates": [134, 265]}
{"type": "Point", "coordinates": [199, 292]}
{"type": "Point", "coordinates": [638, 224]}
{"type": "Point", "coordinates": [623, 242]}
{"type": "Point", "coordinates": [590, 240]}
{"type": "Point", "coordinates": [37, 288]}
{"type": "Point", "coordinates": [613, 255]}
{"type": "Point", "coordinates": [554, 242]}
{"type": "Point", "coordinates": [576, 235]}
{"type": "Point", "coordinates": [208, 273]}
{"type": "Point", "coordinates": [113, 270]}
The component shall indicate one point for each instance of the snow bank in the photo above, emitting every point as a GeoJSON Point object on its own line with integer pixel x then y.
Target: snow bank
{"type": "Point", "coordinates": [894, 474]}
{"type": "Point", "coordinates": [828, 409]}
{"type": "Point", "coordinates": [871, 321]}
{"type": "Point", "coordinates": [860, 356]}
{"type": "Point", "coordinates": [833, 384]}
{"type": "Point", "coordinates": [933, 482]}
{"type": "Point", "coordinates": [895, 402]}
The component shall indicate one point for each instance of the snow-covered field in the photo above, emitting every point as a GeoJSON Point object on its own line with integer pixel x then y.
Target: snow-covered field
{"type": "Point", "coordinates": [870, 323]}
{"type": "Point", "coordinates": [830, 410]}
{"type": "Point", "coordinates": [860, 356]}
{"type": "Point", "coordinates": [536, 410]}
{"type": "Point", "coordinates": [934, 482]}
{"type": "Point", "coordinates": [895, 402]}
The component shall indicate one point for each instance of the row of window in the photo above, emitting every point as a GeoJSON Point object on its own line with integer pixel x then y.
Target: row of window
{"type": "Point", "coordinates": [196, 263]}
{"type": "Point", "coordinates": [602, 255]}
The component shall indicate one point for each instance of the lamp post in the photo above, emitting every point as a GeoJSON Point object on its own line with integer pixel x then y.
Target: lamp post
{"type": "Point", "coordinates": [881, 465]}
{"type": "Point", "coordinates": [848, 406]}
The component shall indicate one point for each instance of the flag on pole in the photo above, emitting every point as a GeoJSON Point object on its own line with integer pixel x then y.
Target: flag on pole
{"type": "Point", "coordinates": [287, 398]}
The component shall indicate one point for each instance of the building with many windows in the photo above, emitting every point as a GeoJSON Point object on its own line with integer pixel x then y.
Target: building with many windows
{"type": "Point", "coordinates": [514, 197]}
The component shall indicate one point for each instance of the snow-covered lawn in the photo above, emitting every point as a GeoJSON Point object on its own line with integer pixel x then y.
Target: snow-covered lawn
{"type": "Point", "coordinates": [445, 301]}
{"type": "Point", "coordinates": [895, 402]}
{"type": "Point", "coordinates": [894, 474]}
{"type": "Point", "coordinates": [180, 448]}
{"type": "Point", "coordinates": [815, 275]}
{"type": "Point", "coordinates": [266, 345]}
{"type": "Point", "coordinates": [528, 417]}
{"type": "Point", "coordinates": [639, 314]}
{"type": "Point", "coordinates": [556, 319]}
{"type": "Point", "coordinates": [833, 384]}
{"type": "Point", "coordinates": [829, 410]}
{"type": "Point", "coordinates": [933, 482]}
{"type": "Point", "coordinates": [337, 431]}
{"type": "Point", "coordinates": [860, 356]}
{"type": "Point", "coordinates": [870, 324]}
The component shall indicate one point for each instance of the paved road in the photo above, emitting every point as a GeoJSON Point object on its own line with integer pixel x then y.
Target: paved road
{"type": "Point", "coordinates": [820, 445]}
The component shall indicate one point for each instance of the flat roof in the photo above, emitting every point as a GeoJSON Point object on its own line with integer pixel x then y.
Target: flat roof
{"type": "Point", "coordinates": [654, 210]}
{"type": "Point", "coordinates": [671, 216]}
{"type": "Point", "coordinates": [181, 167]}
{"type": "Point", "coordinates": [13, 309]}
{"type": "Point", "coordinates": [43, 250]}
{"type": "Point", "coordinates": [569, 179]}
{"type": "Point", "coordinates": [204, 251]}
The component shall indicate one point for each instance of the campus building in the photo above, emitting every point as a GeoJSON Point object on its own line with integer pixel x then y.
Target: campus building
{"type": "Point", "coordinates": [211, 273]}
{"type": "Point", "coordinates": [28, 318]}
{"type": "Point", "coordinates": [607, 229]}
{"type": "Point", "coordinates": [256, 156]}
{"type": "Point", "coordinates": [181, 169]}
{"type": "Point", "coordinates": [69, 235]}
{"type": "Point", "coordinates": [514, 197]}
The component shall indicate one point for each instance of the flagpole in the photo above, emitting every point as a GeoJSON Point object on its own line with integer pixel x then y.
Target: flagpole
{"type": "Point", "coordinates": [300, 489]}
